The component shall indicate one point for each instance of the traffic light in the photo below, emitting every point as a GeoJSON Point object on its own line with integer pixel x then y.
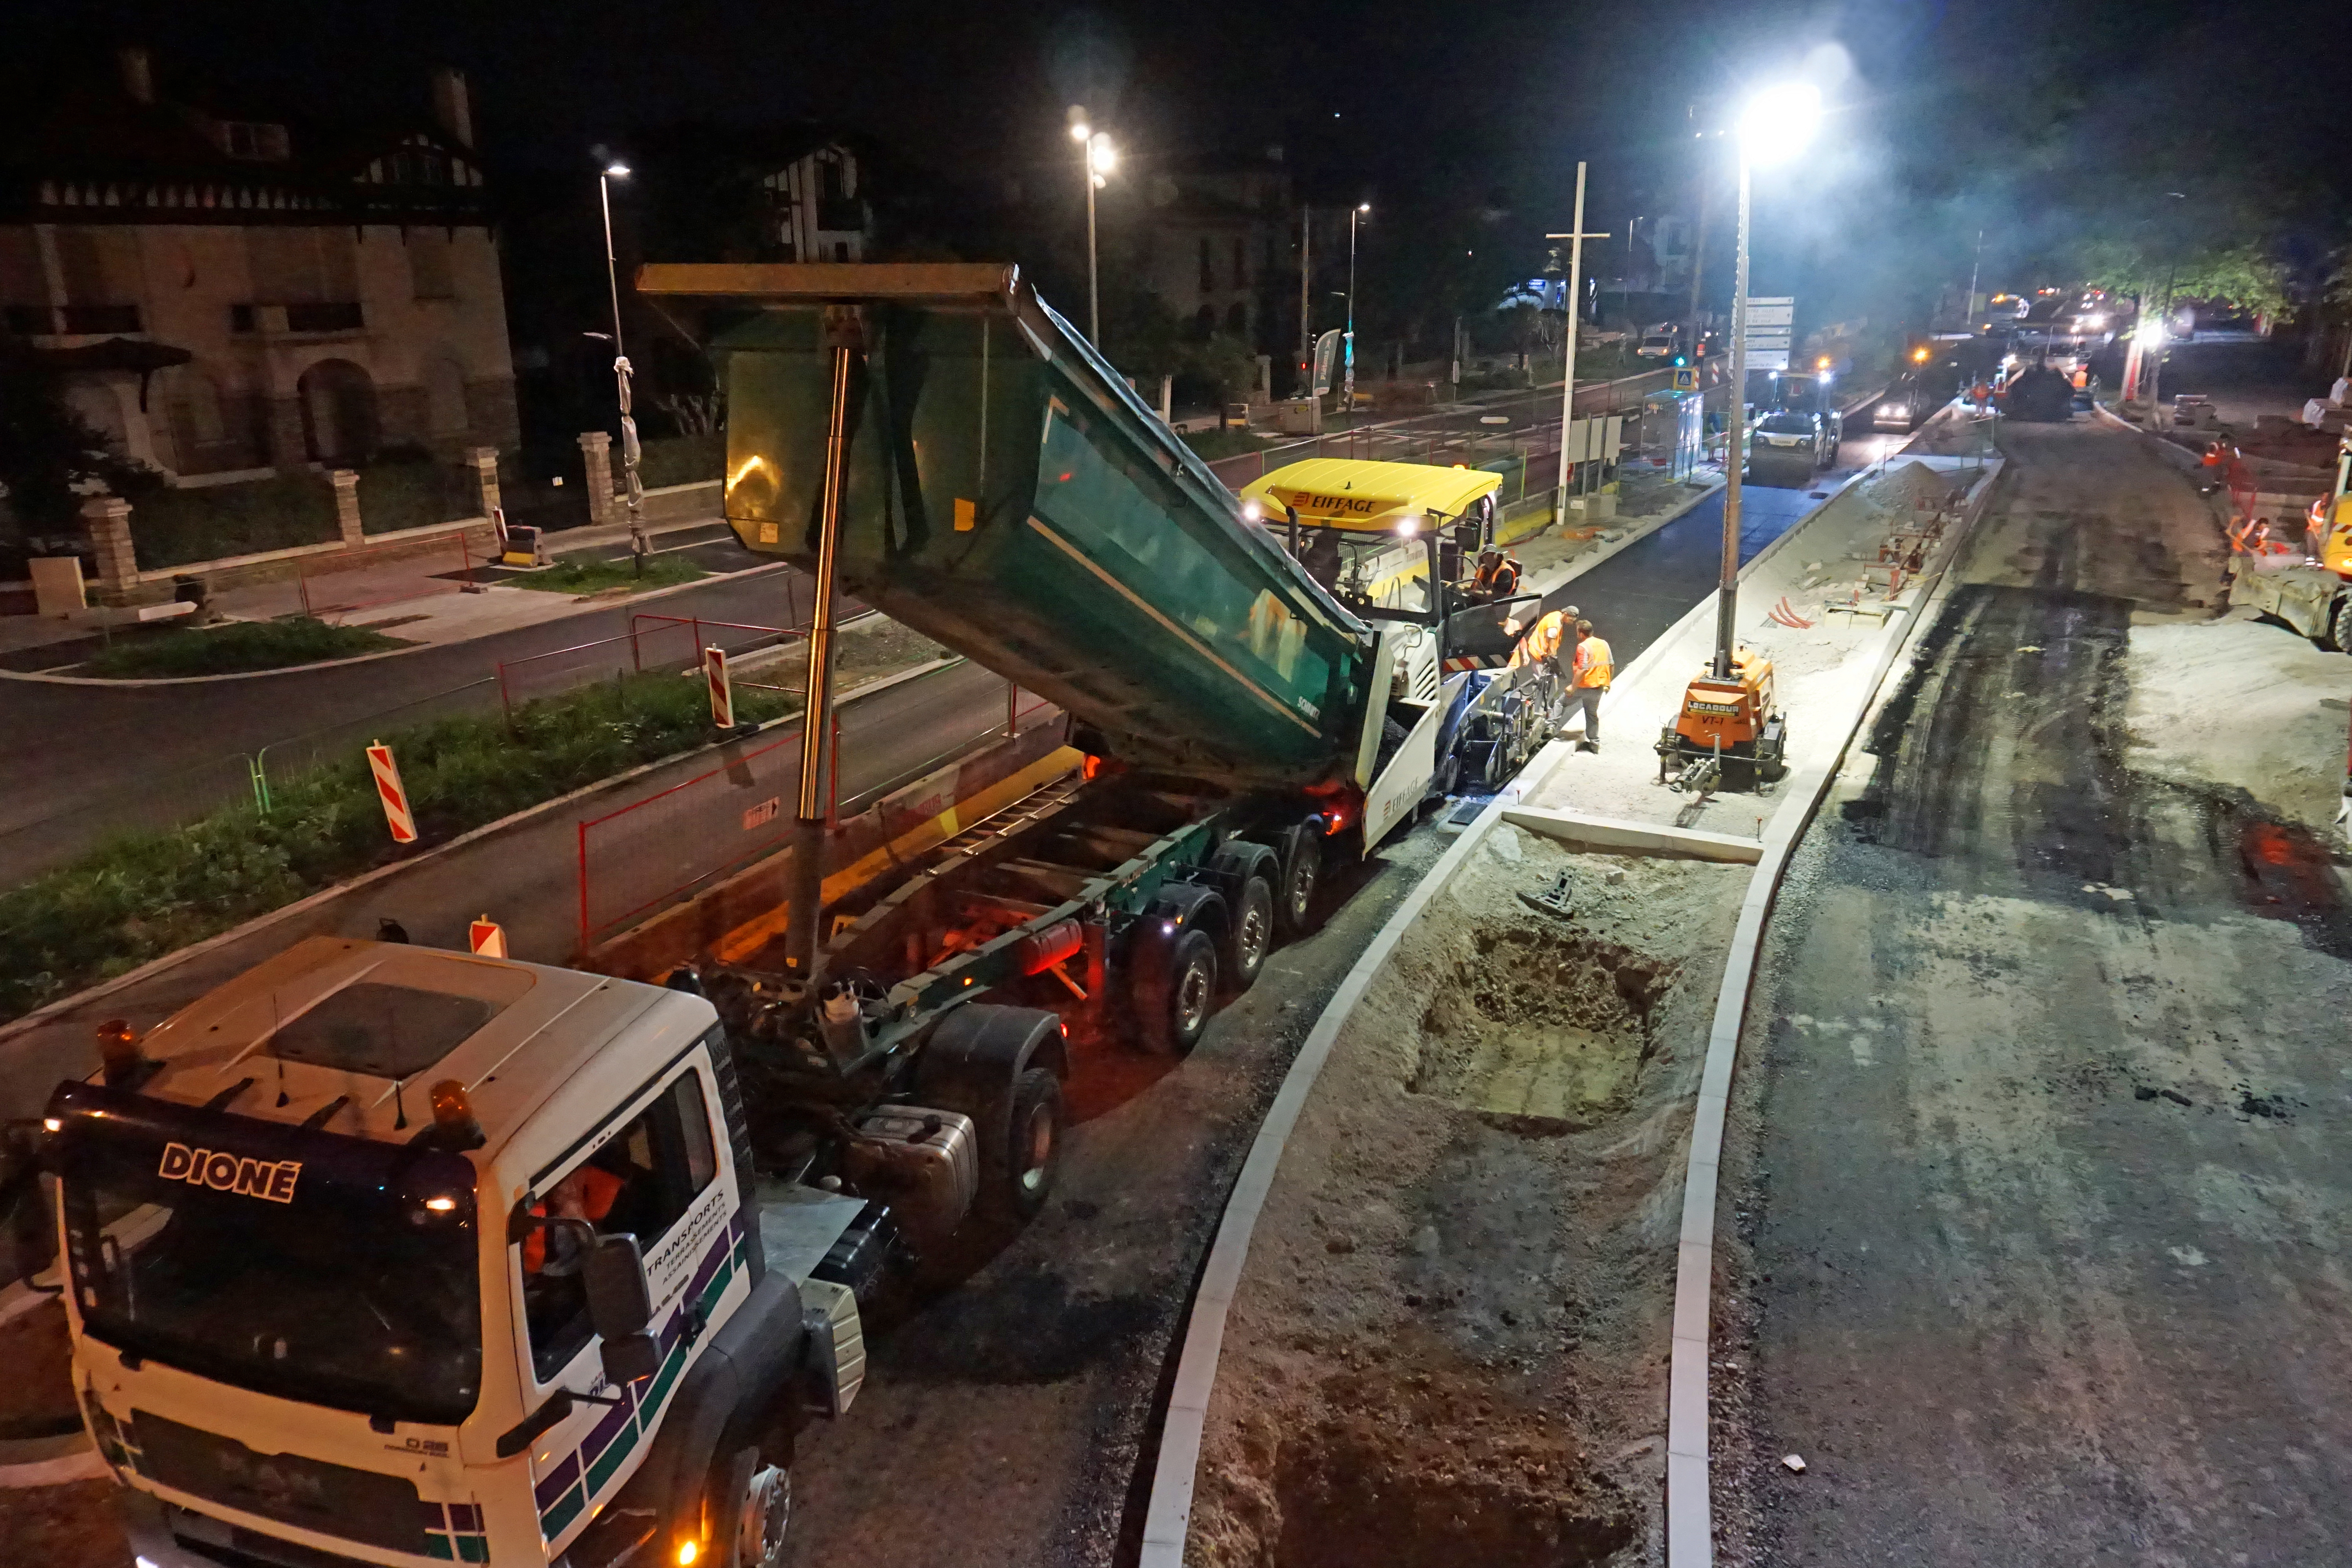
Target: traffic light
{"type": "Point", "coordinates": [1681, 361]}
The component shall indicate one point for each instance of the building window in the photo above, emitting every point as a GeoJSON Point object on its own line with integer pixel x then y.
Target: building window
{"type": "Point", "coordinates": [1240, 262]}
{"type": "Point", "coordinates": [327, 316]}
{"type": "Point", "coordinates": [444, 397]}
{"type": "Point", "coordinates": [1208, 270]}
{"type": "Point", "coordinates": [248, 139]}
{"type": "Point", "coordinates": [429, 272]}
{"type": "Point", "coordinates": [1237, 319]}
{"type": "Point", "coordinates": [91, 321]}
{"type": "Point", "coordinates": [241, 318]}
{"type": "Point", "coordinates": [841, 250]}
{"type": "Point", "coordinates": [29, 321]}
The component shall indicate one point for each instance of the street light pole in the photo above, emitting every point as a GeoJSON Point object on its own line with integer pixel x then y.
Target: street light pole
{"type": "Point", "coordinates": [1576, 237]}
{"type": "Point", "coordinates": [1347, 340]}
{"type": "Point", "coordinates": [1306, 322]}
{"type": "Point", "coordinates": [630, 450]}
{"type": "Point", "coordinates": [1727, 588]}
{"type": "Point", "coordinates": [1096, 158]}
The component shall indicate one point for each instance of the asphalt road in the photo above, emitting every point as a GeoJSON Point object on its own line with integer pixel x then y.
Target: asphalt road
{"type": "Point", "coordinates": [108, 759]}
{"type": "Point", "coordinates": [2047, 1103]}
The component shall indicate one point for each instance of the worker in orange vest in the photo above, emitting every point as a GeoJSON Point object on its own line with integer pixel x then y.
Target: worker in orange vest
{"type": "Point", "coordinates": [586, 1193]}
{"type": "Point", "coordinates": [1497, 577]}
{"type": "Point", "coordinates": [1592, 670]}
{"type": "Point", "coordinates": [1544, 641]}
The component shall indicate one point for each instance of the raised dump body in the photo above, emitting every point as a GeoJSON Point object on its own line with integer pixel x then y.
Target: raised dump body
{"type": "Point", "coordinates": [1008, 495]}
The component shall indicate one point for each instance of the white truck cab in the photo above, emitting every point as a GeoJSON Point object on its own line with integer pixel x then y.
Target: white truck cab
{"type": "Point", "coordinates": [385, 1255]}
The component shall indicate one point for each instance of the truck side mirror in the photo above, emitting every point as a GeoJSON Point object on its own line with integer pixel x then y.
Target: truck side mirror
{"type": "Point", "coordinates": [620, 1305]}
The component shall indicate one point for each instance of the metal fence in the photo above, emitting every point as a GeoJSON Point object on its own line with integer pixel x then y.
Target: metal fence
{"type": "Point", "coordinates": [671, 844]}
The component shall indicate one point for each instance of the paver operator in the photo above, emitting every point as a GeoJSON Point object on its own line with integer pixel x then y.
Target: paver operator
{"type": "Point", "coordinates": [1547, 641]}
{"type": "Point", "coordinates": [1592, 668]}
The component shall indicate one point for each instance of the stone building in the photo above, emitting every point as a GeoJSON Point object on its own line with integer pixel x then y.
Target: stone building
{"type": "Point", "coordinates": [230, 289]}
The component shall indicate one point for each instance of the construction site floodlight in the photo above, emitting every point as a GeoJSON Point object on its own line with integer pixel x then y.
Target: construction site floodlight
{"type": "Point", "coordinates": [1779, 121]}
{"type": "Point", "coordinates": [617, 170]}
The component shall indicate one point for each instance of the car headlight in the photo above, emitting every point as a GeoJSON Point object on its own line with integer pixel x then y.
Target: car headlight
{"type": "Point", "coordinates": [1896, 411]}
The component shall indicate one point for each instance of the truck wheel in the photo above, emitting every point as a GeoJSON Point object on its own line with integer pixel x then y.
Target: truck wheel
{"type": "Point", "coordinates": [1249, 936]}
{"type": "Point", "coordinates": [2340, 629]}
{"type": "Point", "coordinates": [1302, 877]}
{"type": "Point", "coordinates": [1173, 1005]}
{"type": "Point", "coordinates": [761, 1494]}
{"type": "Point", "coordinates": [1016, 1180]}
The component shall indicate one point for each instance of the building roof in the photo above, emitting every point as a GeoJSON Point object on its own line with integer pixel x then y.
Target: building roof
{"type": "Point", "coordinates": [87, 151]}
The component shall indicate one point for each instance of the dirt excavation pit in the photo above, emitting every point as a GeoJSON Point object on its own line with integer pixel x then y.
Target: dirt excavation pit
{"type": "Point", "coordinates": [1449, 1345]}
{"type": "Point", "coordinates": [1545, 1029]}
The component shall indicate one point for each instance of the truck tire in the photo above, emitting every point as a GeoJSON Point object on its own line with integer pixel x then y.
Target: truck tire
{"type": "Point", "coordinates": [1295, 906]}
{"type": "Point", "coordinates": [2339, 626]}
{"type": "Point", "coordinates": [1249, 934]}
{"type": "Point", "coordinates": [1016, 1182]}
{"type": "Point", "coordinates": [1174, 996]}
{"type": "Point", "coordinates": [751, 1512]}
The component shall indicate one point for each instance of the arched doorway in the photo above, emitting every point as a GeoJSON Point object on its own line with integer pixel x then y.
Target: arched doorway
{"type": "Point", "coordinates": [339, 420]}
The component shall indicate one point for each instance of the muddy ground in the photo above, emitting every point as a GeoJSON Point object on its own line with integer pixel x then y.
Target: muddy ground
{"type": "Point", "coordinates": [2033, 1220]}
{"type": "Point", "coordinates": [1450, 1342]}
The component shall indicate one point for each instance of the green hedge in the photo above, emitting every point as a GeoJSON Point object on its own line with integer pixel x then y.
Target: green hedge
{"type": "Point", "coordinates": [679, 459]}
{"type": "Point", "coordinates": [139, 898]}
{"type": "Point", "coordinates": [415, 494]}
{"type": "Point", "coordinates": [235, 647]}
{"type": "Point", "coordinates": [175, 527]}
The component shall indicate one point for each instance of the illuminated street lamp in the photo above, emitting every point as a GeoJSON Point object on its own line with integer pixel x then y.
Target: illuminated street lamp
{"type": "Point", "coordinates": [630, 451]}
{"type": "Point", "coordinates": [1347, 340]}
{"type": "Point", "coordinates": [1776, 125]}
{"type": "Point", "coordinates": [1097, 159]}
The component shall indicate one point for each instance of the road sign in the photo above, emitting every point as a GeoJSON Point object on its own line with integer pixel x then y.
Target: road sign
{"type": "Point", "coordinates": [722, 689]}
{"type": "Point", "coordinates": [487, 937]}
{"type": "Point", "coordinates": [402, 821]}
{"type": "Point", "coordinates": [1687, 378]}
{"type": "Point", "coordinates": [1768, 359]}
{"type": "Point", "coordinates": [1774, 312]}
{"type": "Point", "coordinates": [1766, 340]}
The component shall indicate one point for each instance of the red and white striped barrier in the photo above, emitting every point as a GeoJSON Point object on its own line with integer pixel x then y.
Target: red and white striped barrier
{"type": "Point", "coordinates": [401, 820]}
{"type": "Point", "coordinates": [722, 689]}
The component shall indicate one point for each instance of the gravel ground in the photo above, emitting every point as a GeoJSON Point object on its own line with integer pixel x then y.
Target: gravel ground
{"type": "Point", "coordinates": [1449, 1345]}
{"type": "Point", "coordinates": [2033, 1224]}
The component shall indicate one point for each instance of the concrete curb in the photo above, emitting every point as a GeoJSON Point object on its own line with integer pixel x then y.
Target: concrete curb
{"type": "Point", "coordinates": [50, 1461]}
{"type": "Point", "coordinates": [1168, 1512]}
{"type": "Point", "coordinates": [1689, 1503]}
{"type": "Point", "coordinates": [144, 681]}
{"type": "Point", "coordinates": [155, 966]}
{"type": "Point", "coordinates": [1645, 837]}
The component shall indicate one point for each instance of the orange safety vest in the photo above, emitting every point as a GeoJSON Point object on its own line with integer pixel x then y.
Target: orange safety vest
{"type": "Point", "coordinates": [1542, 640]}
{"type": "Point", "coordinates": [1592, 663]}
{"type": "Point", "coordinates": [598, 1188]}
{"type": "Point", "coordinates": [1497, 577]}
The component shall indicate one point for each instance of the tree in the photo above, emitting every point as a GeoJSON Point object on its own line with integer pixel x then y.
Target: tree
{"type": "Point", "coordinates": [47, 450]}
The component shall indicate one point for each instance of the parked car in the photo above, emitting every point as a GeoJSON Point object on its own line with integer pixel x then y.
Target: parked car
{"type": "Point", "coordinates": [1657, 345]}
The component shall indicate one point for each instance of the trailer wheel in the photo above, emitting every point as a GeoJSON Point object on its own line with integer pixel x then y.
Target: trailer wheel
{"type": "Point", "coordinates": [1302, 875]}
{"type": "Point", "coordinates": [1250, 935]}
{"type": "Point", "coordinates": [1018, 1179]}
{"type": "Point", "coordinates": [761, 1497]}
{"type": "Point", "coordinates": [1173, 1004]}
{"type": "Point", "coordinates": [2340, 626]}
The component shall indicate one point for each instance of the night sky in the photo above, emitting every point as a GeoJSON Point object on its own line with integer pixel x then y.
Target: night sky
{"type": "Point", "coordinates": [2027, 117]}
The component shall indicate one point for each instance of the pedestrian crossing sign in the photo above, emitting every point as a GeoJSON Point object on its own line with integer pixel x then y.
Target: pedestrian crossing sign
{"type": "Point", "coordinates": [1687, 378]}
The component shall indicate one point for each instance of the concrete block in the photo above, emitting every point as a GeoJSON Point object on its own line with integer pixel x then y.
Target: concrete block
{"type": "Point", "coordinates": [1623, 836]}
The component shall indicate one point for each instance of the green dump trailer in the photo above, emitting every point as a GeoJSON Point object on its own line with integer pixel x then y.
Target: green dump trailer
{"type": "Point", "coordinates": [1008, 494]}
{"type": "Point", "coordinates": [956, 455]}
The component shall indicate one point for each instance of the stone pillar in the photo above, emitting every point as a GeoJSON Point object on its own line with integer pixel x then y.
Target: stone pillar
{"type": "Point", "coordinates": [347, 507]}
{"type": "Point", "coordinates": [484, 460]}
{"type": "Point", "coordinates": [108, 519]}
{"type": "Point", "coordinates": [596, 458]}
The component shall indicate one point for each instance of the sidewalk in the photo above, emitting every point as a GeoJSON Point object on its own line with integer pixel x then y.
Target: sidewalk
{"type": "Point", "coordinates": [1815, 665]}
{"type": "Point", "coordinates": [421, 600]}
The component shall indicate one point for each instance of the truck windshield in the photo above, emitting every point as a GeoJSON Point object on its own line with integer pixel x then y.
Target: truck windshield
{"type": "Point", "coordinates": [1369, 570]}
{"type": "Point", "coordinates": [304, 1264]}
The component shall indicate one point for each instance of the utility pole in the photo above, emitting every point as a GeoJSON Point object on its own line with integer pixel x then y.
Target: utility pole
{"type": "Point", "coordinates": [1727, 602]}
{"type": "Point", "coordinates": [1970, 314]}
{"type": "Point", "coordinates": [1306, 328]}
{"type": "Point", "coordinates": [1576, 237]}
